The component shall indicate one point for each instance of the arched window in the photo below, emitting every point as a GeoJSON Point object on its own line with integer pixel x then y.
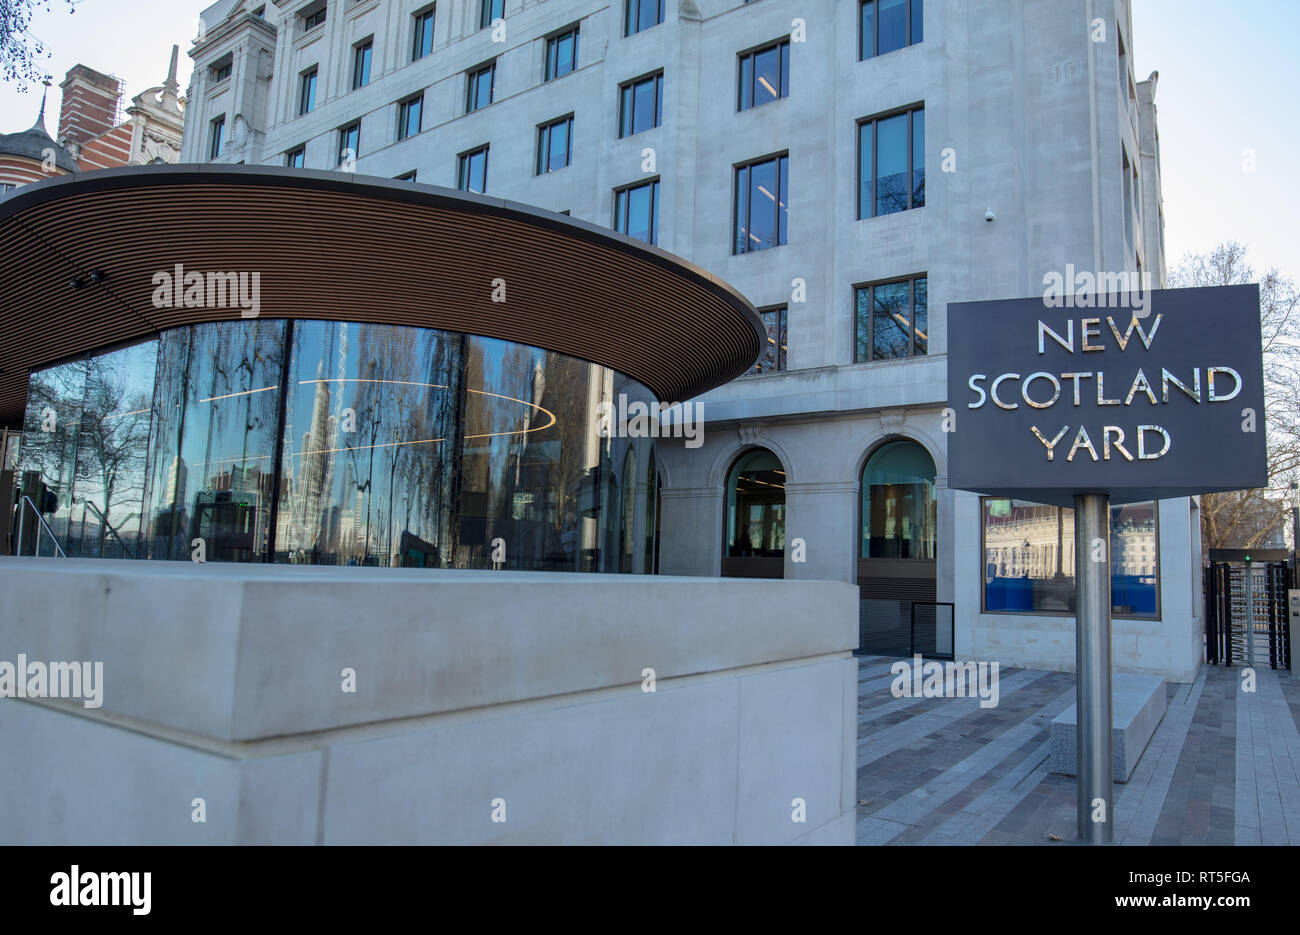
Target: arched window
{"type": "Point", "coordinates": [898, 503]}
{"type": "Point", "coordinates": [756, 506]}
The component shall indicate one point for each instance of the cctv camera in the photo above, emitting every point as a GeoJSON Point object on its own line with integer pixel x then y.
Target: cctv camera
{"type": "Point", "coordinates": [989, 215]}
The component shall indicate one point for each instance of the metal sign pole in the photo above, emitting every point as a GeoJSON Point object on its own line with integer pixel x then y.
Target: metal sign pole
{"type": "Point", "coordinates": [1092, 667]}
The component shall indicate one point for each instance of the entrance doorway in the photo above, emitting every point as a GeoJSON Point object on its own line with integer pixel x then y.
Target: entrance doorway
{"type": "Point", "coordinates": [897, 542]}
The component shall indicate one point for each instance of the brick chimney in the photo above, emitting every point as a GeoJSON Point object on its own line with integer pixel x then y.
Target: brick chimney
{"type": "Point", "coordinates": [90, 101]}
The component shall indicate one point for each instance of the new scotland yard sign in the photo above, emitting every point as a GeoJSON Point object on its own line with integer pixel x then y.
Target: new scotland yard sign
{"type": "Point", "coordinates": [1053, 399]}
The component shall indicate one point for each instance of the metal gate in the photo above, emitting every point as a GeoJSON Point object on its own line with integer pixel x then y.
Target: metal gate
{"type": "Point", "coordinates": [1246, 613]}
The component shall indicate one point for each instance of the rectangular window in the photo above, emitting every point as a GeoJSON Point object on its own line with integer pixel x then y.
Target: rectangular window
{"type": "Point", "coordinates": [313, 16]}
{"type": "Point", "coordinates": [482, 82]}
{"type": "Point", "coordinates": [636, 211]}
{"type": "Point", "coordinates": [349, 142]}
{"type": "Point", "coordinates": [490, 11]}
{"type": "Point", "coordinates": [221, 71]}
{"type": "Point", "coordinates": [761, 200]}
{"type": "Point", "coordinates": [218, 137]}
{"type": "Point", "coordinates": [641, 104]}
{"type": "Point", "coordinates": [891, 163]}
{"type": "Point", "coordinates": [471, 174]}
{"type": "Point", "coordinates": [764, 75]}
{"type": "Point", "coordinates": [307, 93]}
{"type": "Point", "coordinates": [772, 359]}
{"type": "Point", "coordinates": [642, 14]}
{"type": "Point", "coordinates": [296, 158]}
{"type": "Point", "coordinates": [1028, 558]}
{"type": "Point", "coordinates": [409, 117]}
{"type": "Point", "coordinates": [422, 44]}
{"type": "Point", "coordinates": [1130, 201]}
{"type": "Point", "coordinates": [561, 54]}
{"type": "Point", "coordinates": [361, 56]}
{"type": "Point", "coordinates": [892, 319]}
{"type": "Point", "coordinates": [554, 145]}
{"type": "Point", "coordinates": [887, 25]}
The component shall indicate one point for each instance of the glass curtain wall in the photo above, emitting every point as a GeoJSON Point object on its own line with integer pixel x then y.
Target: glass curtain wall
{"type": "Point", "coordinates": [343, 443]}
{"type": "Point", "coordinates": [87, 433]}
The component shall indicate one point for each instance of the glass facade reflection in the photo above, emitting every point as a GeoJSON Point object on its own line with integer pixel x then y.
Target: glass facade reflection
{"type": "Point", "coordinates": [1029, 558]}
{"type": "Point", "coordinates": [342, 443]}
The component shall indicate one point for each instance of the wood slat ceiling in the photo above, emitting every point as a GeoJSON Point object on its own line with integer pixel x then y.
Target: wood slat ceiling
{"type": "Point", "coordinates": [329, 245]}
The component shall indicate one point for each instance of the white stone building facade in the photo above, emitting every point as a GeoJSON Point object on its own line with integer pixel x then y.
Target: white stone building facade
{"type": "Point", "coordinates": [1038, 147]}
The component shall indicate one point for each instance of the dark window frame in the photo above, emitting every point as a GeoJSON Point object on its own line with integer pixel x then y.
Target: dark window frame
{"type": "Point", "coordinates": [873, 121]}
{"type": "Point", "coordinates": [783, 58]}
{"type": "Point", "coordinates": [550, 67]}
{"type": "Point", "coordinates": [473, 76]}
{"type": "Point", "coordinates": [912, 280]}
{"type": "Point", "coordinates": [875, 31]}
{"type": "Point", "coordinates": [488, 12]}
{"type": "Point", "coordinates": [782, 194]}
{"type": "Point", "coordinates": [222, 69]}
{"type": "Point", "coordinates": [783, 330]}
{"type": "Point", "coordinates": [418, 18]}
{"type": "Point", "coordinates": [627, 103]}
{"type": "Point", "coordinates": [313, 19]}
{"type": "Point", "coordinates": [404, 131]}
{"type": "Point", "coordinates": [463, 165]}
{"type": "Point", "coordinates": [216, 136]}
{"type": "Point", "coordinates": [542, 164]}
{"type": "Point", "coordinates": [631, 21]}
{"type": "Point", "coordinates": [299, 151]}
{"type": "Point", "coordinates": [345, 132]}
{"type": "Point", "coordinates": [362, 59]}
{"type": "Point", "coordinates": [625, 191]}
{"type": "Point", "coordinates": [310, 78]}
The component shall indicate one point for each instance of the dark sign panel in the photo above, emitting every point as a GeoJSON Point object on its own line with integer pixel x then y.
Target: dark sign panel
{"type": "Point", "coordinates": [1158, 395]}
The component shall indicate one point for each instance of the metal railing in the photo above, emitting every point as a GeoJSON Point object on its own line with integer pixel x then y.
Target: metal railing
{"type": "Point", "coordinates": [24, 503]}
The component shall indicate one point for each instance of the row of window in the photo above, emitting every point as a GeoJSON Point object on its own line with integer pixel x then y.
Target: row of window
{"type": "Point", "coordinates": [891, 166]}
{"type": "Point", "coordinates": [891, 320]}
{"type": "Point", "coordinates": [1027, 548]}
{"type": "Point", "coordinates": [885, 25]}
{"type": "Point", "coordinates": [561, 59]}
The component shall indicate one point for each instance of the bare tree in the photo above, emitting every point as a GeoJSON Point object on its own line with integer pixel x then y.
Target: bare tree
{"type": "Point", "coordinates": [1248, 518]}
{"type": "Point", "coordinates": [20, 50]}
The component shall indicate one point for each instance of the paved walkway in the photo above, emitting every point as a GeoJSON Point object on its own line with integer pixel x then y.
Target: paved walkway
{"type": "Point", "coordinates": [1222, 768]}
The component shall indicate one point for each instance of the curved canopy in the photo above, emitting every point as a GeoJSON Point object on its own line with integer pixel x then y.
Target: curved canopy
{"type": "Point", "coordinates": [80, 258]}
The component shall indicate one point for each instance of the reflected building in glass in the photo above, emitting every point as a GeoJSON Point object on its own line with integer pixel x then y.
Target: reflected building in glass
{"type": "Point", "coordinates": [342, 443]}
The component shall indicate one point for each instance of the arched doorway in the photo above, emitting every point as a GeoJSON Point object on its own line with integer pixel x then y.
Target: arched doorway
{"type": "Point", "coordinates": [897, 541]}
{"type": "Point", "coordinates": [754, 537]}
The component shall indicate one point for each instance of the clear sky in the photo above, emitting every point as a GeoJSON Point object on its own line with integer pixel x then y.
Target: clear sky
{"type": "Point", "coordinates": [1229, 82]}
{"type": "Point", "coordinates": [131, 39]}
